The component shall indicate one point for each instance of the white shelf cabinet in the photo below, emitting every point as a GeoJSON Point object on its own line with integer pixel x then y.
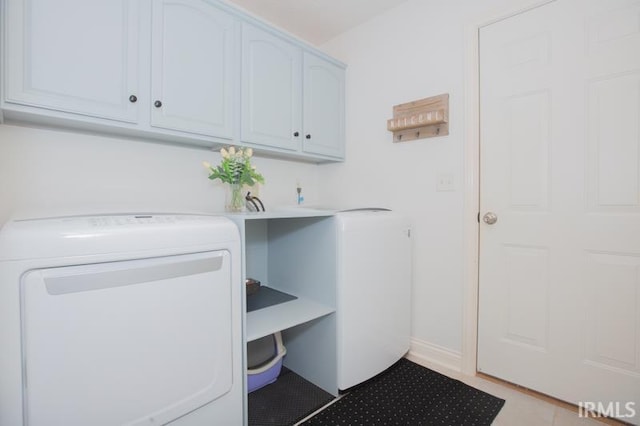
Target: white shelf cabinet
{"type": "Point", "coordinates": [192, 67]}
{"type": "Point", "coordinates": [323, 119]}
{"type": "Point", "coordinates": [294, 252]}
{"type": "Point", "coordinates": [271, 90]}
{"type": "Point", "coordinates": [292, 99]}
{"type": "Point", "coordinates": [94, 59]}
{"type": "Point", "coordinates": [81, 59]}
{"type": "Point", "coordinates": [193, 72]}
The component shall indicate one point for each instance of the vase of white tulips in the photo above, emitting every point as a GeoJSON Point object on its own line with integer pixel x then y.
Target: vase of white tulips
{"type": "Point", "coordinates": [236, 170]}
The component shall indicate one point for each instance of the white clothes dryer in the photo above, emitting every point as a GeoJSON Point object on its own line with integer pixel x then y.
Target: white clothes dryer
{"type": "Point", "coordinates": [121, 320]}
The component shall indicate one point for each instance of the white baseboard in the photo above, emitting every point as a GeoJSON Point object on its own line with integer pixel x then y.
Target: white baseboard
{"type": "Point", "coordinates": [429, 353]}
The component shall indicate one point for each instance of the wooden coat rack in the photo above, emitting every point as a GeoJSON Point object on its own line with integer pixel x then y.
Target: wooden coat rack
{"type": "Point", "coordinates": [420, 119]}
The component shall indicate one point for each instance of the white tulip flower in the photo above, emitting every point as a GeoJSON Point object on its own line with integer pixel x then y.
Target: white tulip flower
{"type": "Point", "coordinates": [235, 167]}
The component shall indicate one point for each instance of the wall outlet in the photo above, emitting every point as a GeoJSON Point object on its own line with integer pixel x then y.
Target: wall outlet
{"type": "Point", "coordinates": [445, 182]}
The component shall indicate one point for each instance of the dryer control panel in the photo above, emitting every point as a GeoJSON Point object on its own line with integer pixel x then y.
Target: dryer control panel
{"type": "Point", "coordinates": [86, 235]}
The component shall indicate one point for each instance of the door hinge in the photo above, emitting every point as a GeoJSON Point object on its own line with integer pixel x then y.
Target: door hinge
{"type": "Point", "coordinates": [478, 217]}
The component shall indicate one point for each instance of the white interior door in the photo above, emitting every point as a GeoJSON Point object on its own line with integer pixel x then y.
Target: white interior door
{"type": "Point", "coordinates": [559, 308]}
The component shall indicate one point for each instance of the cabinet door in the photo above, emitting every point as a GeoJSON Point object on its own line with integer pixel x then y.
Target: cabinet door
{"type": "Point", "coordinates": [271, 90]}
{"type": "Point", "coordinates": [192, 67]}
{"type": "Point", "coordinates": [80, 58]}
{"type": "Point", "coordinates": [323, 107]}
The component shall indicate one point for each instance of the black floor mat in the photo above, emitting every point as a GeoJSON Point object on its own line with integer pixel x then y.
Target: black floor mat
{"type": "Point", "coordinates": [265, 297]}
{"type": "Point", "coordinates": [408, 394]}
{"type": "Point", "coordinates": [286, 401]}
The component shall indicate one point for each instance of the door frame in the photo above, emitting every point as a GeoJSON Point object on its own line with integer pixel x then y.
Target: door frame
{"type": "Point", "coordinates": [471, 209]}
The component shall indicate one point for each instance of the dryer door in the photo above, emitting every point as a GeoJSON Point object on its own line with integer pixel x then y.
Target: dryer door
{"type": "Point", "coordinates": [134, 342]}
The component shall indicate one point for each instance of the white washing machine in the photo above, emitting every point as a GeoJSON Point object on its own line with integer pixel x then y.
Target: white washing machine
{"type": "Point", "coordinates": [373, 292]}
{"type": "Point", "coordinates": [121, 320]}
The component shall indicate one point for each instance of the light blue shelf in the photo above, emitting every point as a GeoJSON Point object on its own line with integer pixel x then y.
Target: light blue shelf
{"type": "Point", "coordinates": [269, 320]}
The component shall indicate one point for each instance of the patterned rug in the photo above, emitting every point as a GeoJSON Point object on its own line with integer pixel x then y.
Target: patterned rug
{"type": "Point", "coordinates": [409, 394]}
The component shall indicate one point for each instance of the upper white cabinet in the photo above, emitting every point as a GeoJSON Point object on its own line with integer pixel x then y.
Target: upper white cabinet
{"type": "Point", "coordinates": [196, 72]}
{"type": "Point", "coordinates": [271, 90]}
{"type": "Point", "coordinates": [192, 67]}
{"type": "Point", "coordinates": [323, 108]}
{"type": "Point", "coordinates": [291, 99]}
{"type": "Point", "coordinates": [81, 58]}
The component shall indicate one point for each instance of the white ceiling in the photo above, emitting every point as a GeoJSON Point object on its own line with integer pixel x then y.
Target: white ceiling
{"type": "Point", "coordinates": [316, 21]}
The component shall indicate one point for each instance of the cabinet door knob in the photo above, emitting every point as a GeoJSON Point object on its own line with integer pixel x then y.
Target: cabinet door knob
{"type": "Point", "coordinates": [133, 99]}
{"type": "Point", "coordinates": [157, 104]}
{"type": "Point", "coordinates": [296, 134]}
{"type": "Point", "coordinates": [308, 136]}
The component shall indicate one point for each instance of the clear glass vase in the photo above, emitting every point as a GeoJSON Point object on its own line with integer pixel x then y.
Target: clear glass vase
{"type": "Point", "coordinates": [235, 201]}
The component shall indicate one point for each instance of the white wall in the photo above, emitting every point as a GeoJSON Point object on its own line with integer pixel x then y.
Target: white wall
{"type": "Point", "coordinates": [411, 52]}
{"type": "Point", "coordinates": [47, 172]}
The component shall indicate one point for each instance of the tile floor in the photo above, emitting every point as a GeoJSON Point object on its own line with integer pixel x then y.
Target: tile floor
{"type": "Point", "coordinates": [519, 409]}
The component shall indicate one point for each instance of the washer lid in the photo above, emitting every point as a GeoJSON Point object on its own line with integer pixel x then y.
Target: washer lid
{"type": "Point", "coordinates": [89, 235]}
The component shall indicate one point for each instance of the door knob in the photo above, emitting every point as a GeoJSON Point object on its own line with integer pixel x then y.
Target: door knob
{"type": "Point", "coordinates": [490, 218]}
